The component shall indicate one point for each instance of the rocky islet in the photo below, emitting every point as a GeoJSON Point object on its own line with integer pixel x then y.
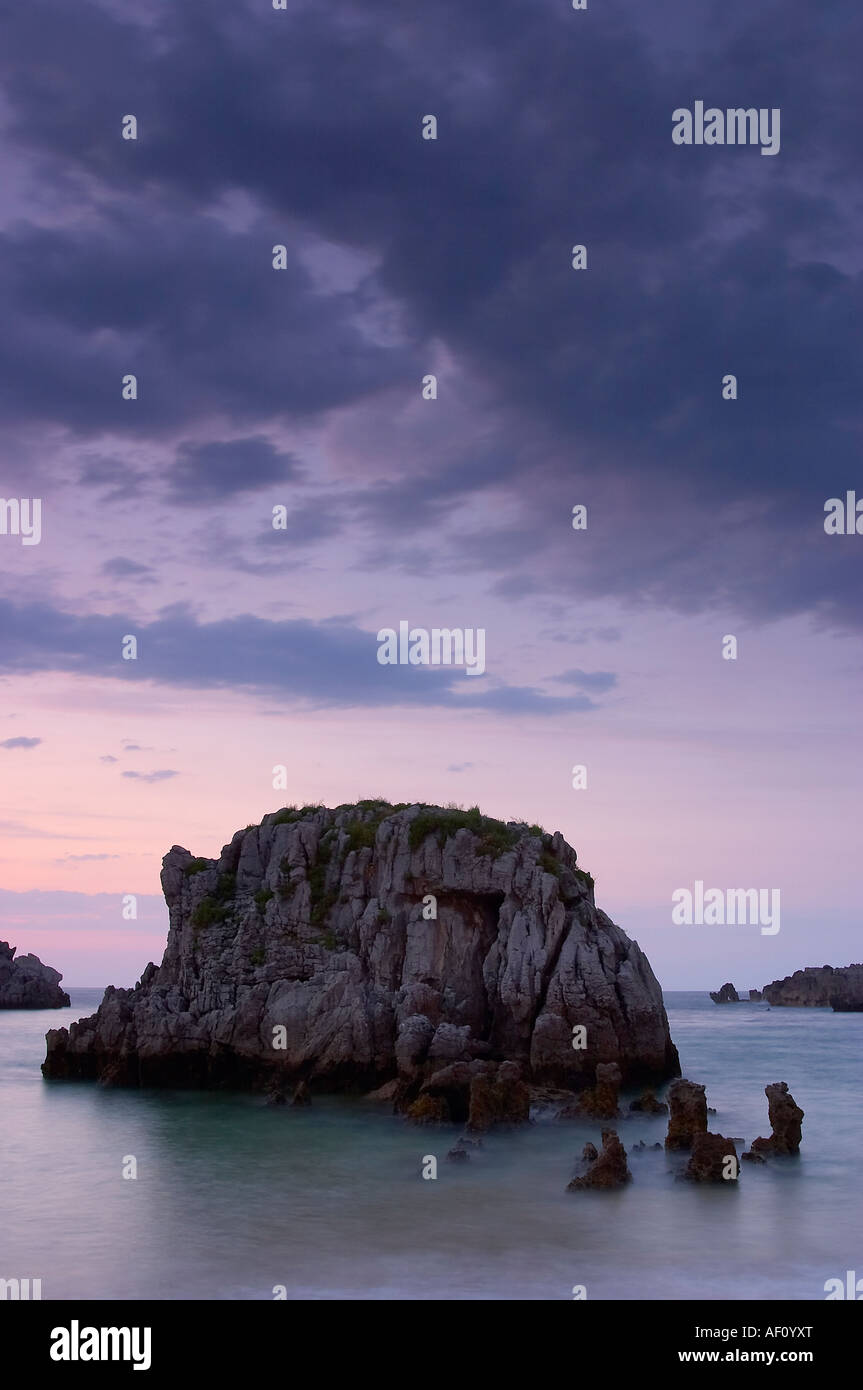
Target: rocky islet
{"type": "Point", "coordinates": [25, 983]}
{"type": "Point", "coordinates": [441, 951]}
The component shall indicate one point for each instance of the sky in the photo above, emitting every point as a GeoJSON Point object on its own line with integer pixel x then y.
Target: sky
{"type": "Point", "coordinates": [302, 388]}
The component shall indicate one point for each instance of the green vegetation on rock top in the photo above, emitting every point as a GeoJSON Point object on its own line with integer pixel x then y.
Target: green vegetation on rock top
{"type": "Point", "coordinates": [494, 835]}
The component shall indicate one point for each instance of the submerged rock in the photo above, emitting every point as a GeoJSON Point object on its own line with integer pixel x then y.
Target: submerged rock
{"type": "Point", "coordinates": [608, 1169]}
{"type": "Point", "coordinates": [786, 1122]}
{"type": "Point", "coordinates": [687, 1114]}
{"type": "Point", "coordinates": [355, 947]}
{"type": "Point", "coordinates": [25, 983]}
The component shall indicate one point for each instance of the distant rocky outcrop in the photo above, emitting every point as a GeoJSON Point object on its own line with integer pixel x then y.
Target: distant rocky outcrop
{"type": "Point", "coordinates": [755, 996]}
{"type": "Point", "coordinates": [373, 944]}
{"type": "Point", "coordinates": [819, 986]}
{"type": "Point", "coordinates": [846, 996]}
{"type": "Point", "coordinates": [726, 995]}
{"type": "Point", "coordinates": [25, 983]}
{"type": "Point", "coordinates": [786, 1122]}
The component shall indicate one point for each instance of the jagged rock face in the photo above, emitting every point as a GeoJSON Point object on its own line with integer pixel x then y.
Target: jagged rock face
{"type": "Point", "coordinates": [819, 987]}
{"type": "Point", "coordinates": [755, 996]}
{"type": "Point", "coordinates": [315, 930]}
{"type": "Point", "coordinates": [726, 995]}
{"type": "Point", "coordinates": [786, 1122]}
{"type": "Point", "coordinates": [25, 983]}
{"type": "Point", "coordinates": [687, 1102]}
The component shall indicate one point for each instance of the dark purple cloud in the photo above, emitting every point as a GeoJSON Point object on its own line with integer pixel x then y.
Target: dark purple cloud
{"type": "Point", "coordinates": [554, 128]}
{"type": "Point", "coordinates": [330, 663]}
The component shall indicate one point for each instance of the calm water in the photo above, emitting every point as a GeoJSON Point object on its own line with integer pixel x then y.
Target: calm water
{"type": "Point", "coordinates": [232, 1198]}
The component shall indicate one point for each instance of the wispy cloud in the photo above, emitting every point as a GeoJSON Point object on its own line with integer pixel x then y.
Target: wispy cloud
{"type": "Point", "coordinates": [161, 776]}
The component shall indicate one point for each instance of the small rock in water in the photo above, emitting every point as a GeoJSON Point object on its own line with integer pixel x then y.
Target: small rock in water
{"type": "Point", "coordinates": [688, 1116]}
{"type": "Point", "coordinates": [726, 995]}
{"type": "Point", "coordinates": [786, 1121]}
{"type": "Point", "coordinates": [709, 1160]}
{"type": "Point", "coordinates": [601, 1101]}
{"type": "Point", "coordinates": [608, 1170]}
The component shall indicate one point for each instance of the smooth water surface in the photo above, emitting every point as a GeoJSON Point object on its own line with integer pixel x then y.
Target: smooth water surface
{"type": "Point", "coordinates": [233, 1198]}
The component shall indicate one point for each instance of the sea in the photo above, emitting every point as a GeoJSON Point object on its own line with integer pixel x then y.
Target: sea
{"type": "Point", "coordinates": [233, 1200]}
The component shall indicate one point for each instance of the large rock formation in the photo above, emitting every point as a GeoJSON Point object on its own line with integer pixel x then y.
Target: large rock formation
{"type": "Point", "coordinates": [726, 995]}
{"type": "Point", "coordinates": [819, 986]}
{"type": "Point", "coordinates": [372, 943]}
{"type": "Point", "coordinates": [25, 983]}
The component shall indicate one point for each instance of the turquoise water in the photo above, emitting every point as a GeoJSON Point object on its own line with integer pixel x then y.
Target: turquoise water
{"type": "Point", "coordinates": [232, 1199]}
